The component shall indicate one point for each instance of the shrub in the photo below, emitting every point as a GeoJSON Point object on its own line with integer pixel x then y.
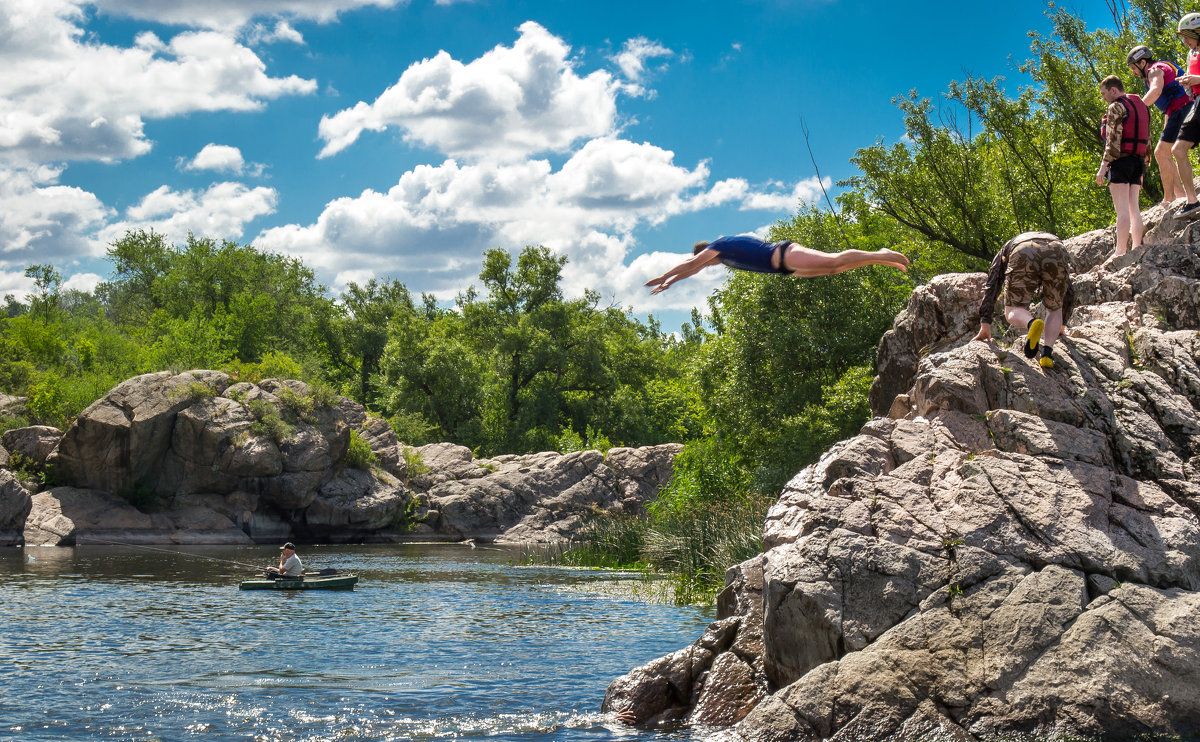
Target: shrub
{"type": "Point", "coordinates": [359, 454]}
{"type": "Point", "coordinates": [298, 406]}
{"type": "Point", "coordinates": [268, 421]}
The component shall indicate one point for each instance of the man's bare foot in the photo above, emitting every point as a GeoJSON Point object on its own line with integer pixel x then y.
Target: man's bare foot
{"type": "Point", "coordinates": [895, 257]}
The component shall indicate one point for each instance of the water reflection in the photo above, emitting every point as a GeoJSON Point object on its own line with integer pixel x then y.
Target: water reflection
{"type": "Point", "coordinates": [436, 641]}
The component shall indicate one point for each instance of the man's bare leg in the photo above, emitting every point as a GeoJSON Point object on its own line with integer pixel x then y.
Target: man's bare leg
{"type": "Point", "coordinates": [1184, 166]}
{"type": "Point", "coordinates": [808, 263]}
{"type": "Point", "coordinates": [1172, 187]}
{"type": "Point", "coordinates": [1120, 199]}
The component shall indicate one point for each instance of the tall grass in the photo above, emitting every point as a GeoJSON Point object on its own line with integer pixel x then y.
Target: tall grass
{"type": "Point", "coordinates": [693, 546]}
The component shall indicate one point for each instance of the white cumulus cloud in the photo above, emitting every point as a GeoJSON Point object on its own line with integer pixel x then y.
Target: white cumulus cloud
{"type": "Point", "coordinates": [431, 227]}
{"type": "Point", "coordinates": [510, 103]}
{"type": "Point", "coordinates": [234, 14]}
{"type": "Point", "coordinates": [42, 221]}
{"type": "Point", "coordinates": [632, 61]}
{"type": "Point", "coordinates": [64, 96]}
{"type": "Point", "coordinates": [220, 212]}
{"type": "Point", "coordinates": [219, 157]}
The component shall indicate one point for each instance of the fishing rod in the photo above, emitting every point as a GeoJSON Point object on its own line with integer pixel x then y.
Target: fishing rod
{"type": "Point", "coordinates": [820, 181]}
{"type": "Point", "coordinates": [169, 551]}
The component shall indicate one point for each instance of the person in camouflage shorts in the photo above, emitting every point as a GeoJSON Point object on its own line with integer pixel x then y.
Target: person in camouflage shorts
{"type": "Point", "coordinates": [1030, 263]}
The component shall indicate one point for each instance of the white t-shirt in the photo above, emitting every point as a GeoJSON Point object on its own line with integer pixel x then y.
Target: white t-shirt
{"type": "Point", "coordinates": [292, 566]}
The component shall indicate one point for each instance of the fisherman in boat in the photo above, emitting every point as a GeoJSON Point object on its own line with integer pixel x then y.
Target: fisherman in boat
{"type": "Point", "coordinates": [289, 563]}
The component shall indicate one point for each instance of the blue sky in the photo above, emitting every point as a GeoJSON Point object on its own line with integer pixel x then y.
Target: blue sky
{"type": "Point", "coordinates": [387, 139]}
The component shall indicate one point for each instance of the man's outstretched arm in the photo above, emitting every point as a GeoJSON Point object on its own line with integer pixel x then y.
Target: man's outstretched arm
{"type": "Point", "coordinates": [689, 267]}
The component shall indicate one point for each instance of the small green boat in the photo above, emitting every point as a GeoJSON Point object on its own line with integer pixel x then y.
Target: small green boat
{"type": "Point", "coordinates": [307, 582]}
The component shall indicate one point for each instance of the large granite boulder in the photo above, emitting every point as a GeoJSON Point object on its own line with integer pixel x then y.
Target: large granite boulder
{"type": "Point", "coordinates": [33, 444]}
{"type": "Point", "coordinates": [68, 516]}
{"type": "Point", "coordinates": [1005, 551]}
{"type": "Point", "coordinates": [536, 498]}
{"type": "Point", "coordinates": [15, 504]}
{"type": "Point", "coordinates": [259, 455]}
{"type": "Point", "coordinates": [119, 442]}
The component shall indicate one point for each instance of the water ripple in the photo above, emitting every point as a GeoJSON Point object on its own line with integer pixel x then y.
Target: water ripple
{"type": "Point", "coordinates": [437, 642]}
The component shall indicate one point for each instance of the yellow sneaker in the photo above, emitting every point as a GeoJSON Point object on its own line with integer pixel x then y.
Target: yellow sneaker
{"type": "Point", "coordinates": [1046, 360]}
{"type": "Point", "coordinates": [1035, 334]}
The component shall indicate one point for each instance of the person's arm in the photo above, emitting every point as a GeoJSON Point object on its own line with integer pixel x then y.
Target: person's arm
{"type": "Point", "coordinates": [689, 267]}
{"type": "Point", "coordinates": [1154, 86]}
{"type": "Point", "coordinates": [1114, 123]}
{"type": "Point", "coordinates": [995, 281]}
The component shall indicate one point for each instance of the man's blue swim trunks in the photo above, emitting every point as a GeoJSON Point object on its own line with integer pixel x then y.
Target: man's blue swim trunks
{"type": "Point", "coordinates": [750, 253]}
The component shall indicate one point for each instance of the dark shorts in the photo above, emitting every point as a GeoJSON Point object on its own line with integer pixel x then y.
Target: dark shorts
{"type": "Point", "coordinates": [1190, 130]}
{"type": "Point", "coordinates": [1127, 169]}
{"type": "Point", "coordinates": [1173, 124]}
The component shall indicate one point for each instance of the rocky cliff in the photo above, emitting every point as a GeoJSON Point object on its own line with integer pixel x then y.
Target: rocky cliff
{"type": "Point", "coordinates": [196, 458]}
{"type": "Point", "coordinates": [1003, 550]}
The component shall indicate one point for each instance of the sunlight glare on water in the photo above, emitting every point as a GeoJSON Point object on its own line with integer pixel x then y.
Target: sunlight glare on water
{"type": "Point", "coordinates": [436, 642]}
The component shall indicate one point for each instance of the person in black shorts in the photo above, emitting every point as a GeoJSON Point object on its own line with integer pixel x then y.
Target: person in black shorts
{"type": "Point", "coordinates": [1189, 133]}
{"type": "Point", "coordinates": [749, 253]}
{"type": "Point", "coordinates": [1166, 94]}
{"type": "Point", "coordinates": [1126, 131]}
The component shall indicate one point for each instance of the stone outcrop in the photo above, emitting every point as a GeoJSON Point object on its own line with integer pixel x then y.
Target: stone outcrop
{"type": "Point", "coordinates": [534, 498]}
{"type": "Point", "coordinates": [1003, 551]}
{"type": "Point", "coordinates": [15, 503]}
{"type": "Point", "coordinates": [70, 516]}
{"type": "Point", "coordinates": [32, 444]}
{"type": "Point", "coordinates": [261, 461]}
{"type": "Point", "coordinates": [267, 462]}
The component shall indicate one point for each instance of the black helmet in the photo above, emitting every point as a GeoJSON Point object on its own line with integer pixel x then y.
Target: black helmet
{"type": "Point", "coordinates": [1138, 53]}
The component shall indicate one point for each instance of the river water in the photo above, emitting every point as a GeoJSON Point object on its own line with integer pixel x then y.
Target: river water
{"type": "Point", "coordinates": [435, 642]}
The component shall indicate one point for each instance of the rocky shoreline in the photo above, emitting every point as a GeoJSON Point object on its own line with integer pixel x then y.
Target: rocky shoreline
{"type": "Point", "coordinates": [1002, 552]}
{"type": "Point", "coordinates": [197, 458]}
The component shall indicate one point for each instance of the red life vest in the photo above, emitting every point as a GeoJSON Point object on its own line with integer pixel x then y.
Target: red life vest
{"type": "Point", "coordinates": [1135, 134]}
{"type": "Point", "coordinates": [1193, 68]}
{"type": "Point", "coordinates": [1173, 97]}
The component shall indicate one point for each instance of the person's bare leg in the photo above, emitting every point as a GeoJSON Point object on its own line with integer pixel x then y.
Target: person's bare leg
{"type": "Point", "coordinates": [1135, 217]}
{"type": "Point", "coordinates": [1172, 188]}
{"type": "Point", "coordinates": [1054, 324]}
{"type": "Point", "coordinates": [808, 263]}
{"type": "Point", "coordinates": [1018, 317]}
{"type": "Point", "coordinates": [1184, 166]}
{"type": "Point", "coordinates": [1120, 199]}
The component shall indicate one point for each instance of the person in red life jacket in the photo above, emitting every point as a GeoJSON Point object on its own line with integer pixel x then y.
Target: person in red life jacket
{"type": "Point", "coordinates": [1165, 93]}
{"type": "Point", "coordinates": [1126, 130]}
{"type": "Point", "coordinates": [749, 253]}
{"type": "Point", "coordinates": [1189, 133]}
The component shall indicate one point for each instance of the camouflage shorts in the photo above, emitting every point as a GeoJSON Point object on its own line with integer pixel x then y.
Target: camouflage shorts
{"type": "Point", "coordinates": [1033, 265]}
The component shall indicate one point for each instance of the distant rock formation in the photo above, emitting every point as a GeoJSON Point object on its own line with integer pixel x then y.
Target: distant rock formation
{"type": "Point", "coordinates": [1003, 551]}
{"type": "Point", "coordinates": [196, 458]}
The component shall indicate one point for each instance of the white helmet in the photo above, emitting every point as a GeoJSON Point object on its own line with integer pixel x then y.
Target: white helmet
{"type": "Point", "coordinates": [1189, 25]}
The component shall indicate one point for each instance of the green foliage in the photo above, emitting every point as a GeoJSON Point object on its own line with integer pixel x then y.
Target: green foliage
{"type": "Point", "coordinates": [268, 421]}
{"type": "Point", "coordinates": [571, 442]}
{"type": "Point", "coordinates": [297, 406]}
{"type": "Point", "coordinates": [414, 464]}
{"type": "Point", "coordinates": [980, 166]}
{"type": "Point", "coordinates": [272, 365]}
{"type": "Point", "coordinates": [359, 454]}
{"type": "Point", "coordinates": [696, 545]}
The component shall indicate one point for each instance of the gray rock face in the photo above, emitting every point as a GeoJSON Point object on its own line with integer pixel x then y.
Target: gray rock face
{"type": "Point", "coordinates": [536, 498]}
{"type": "Point", "coordinates": [265, 461]}
{"type": "Point", "coordinates": [33, 444]}
{"type": "Point", "coordinates": [66, 516]}
{"type": "Point", "coordinates": [1006, 550]}
{"type": "Point", "coordinates": [15, 503]}
{"type": "Point", "coordinates": [193, 440]}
